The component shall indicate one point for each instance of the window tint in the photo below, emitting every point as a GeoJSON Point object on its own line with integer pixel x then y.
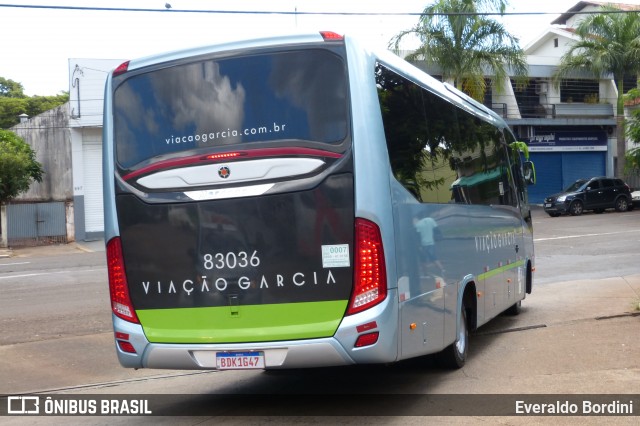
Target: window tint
{"type": "Point", "coordinates": [293, 95]}
{"type": "Point", "coordinates": [594, 184]}
{"type": "Point", "coordinates": [607, 183]}
{"type": "Point", "coordinates": [440, 152]}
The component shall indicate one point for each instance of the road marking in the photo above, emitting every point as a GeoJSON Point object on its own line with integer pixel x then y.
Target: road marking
{"type": "Point", "coordinates": [49, 273]}
{"type": "Point", "coordinates": [585, 235]}
{"type": "Point", "coordinates": [15, 263]}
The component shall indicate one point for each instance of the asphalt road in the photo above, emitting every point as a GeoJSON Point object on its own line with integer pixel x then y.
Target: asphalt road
{"type": "Point", "coordinates": [56, 333]}
{"type": "Point", "coordinates": [53, 297]}
{"type": "Point", "coordinates": [589, 246]}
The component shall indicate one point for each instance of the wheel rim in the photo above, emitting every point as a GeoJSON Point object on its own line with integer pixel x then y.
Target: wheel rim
{"type": "Point", "coordinates": [577, 208]}
{"type": "Point", "coordinates": [622, 205]}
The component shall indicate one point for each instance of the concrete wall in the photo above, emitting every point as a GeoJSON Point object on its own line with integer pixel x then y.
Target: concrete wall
{"type": "Point", "coordinates": [48, 135]}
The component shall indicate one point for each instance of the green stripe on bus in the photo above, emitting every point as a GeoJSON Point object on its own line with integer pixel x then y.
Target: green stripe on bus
{"type": "Point", "coordinates": [252, 323]}
{"type": "Point", "coordinates": [500, 270]}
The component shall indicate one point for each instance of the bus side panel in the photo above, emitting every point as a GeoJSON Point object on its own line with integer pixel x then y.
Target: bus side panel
{"type": "Point", "coordinates": [478, 241]}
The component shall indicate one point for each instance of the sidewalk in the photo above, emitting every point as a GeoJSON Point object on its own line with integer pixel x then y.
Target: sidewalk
{"type": "Point", "coordinates": [580, 300]}
{"type": "Point", "coordinates": [54, 249]}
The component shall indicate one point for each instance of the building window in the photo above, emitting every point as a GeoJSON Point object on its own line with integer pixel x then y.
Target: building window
{"type": "Point", "coordinates": [579, 90]}
{"type": "Point", "coordinates": [555, 42]}
{"type": "Point", "coordinates": [528, 98]}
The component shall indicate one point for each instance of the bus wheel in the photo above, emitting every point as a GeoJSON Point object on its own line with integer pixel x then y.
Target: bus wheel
{"type": "Point", "coordinates": [455, 355]}
{"type": "Point", "coordinates": [514, 309]}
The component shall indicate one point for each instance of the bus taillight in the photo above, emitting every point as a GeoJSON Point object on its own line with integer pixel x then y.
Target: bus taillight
{"type": "Point", "coordinates": [118, 287]}
{"type": "Point", "coordinates": [331, 36]}
{"type": "Point", "coordinates": [121, 69]}
{"type": "Point", "coordinates": [370, 277]}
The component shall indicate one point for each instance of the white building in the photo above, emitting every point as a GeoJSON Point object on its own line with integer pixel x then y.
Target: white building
{"type": "Point", "coordinates": [87, 78]}
{"type": "Point", "coordinates": [570, 128]}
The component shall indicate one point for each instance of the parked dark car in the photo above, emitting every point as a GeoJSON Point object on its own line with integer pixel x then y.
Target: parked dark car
{"type": "Point", "coordinates": [597, 194]}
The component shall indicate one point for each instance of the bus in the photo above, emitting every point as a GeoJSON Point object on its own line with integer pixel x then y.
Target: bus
{"type": "Point", "coordinates": [305, 201]}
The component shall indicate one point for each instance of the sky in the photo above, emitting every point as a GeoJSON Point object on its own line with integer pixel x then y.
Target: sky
{"type": "Point", "coordinates": [38, 43]}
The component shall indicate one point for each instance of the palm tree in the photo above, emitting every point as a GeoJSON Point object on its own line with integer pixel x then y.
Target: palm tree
{"type": "Point", "coordinates": [466, 45]}
{"type": "Point", "coordinates": [609, 45]}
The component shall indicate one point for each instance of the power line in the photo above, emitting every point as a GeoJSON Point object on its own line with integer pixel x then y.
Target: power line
{"type": "Point", "coordinates": [298, 12]}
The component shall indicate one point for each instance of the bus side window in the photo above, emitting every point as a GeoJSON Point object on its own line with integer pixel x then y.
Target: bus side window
{"type": "Point", "coordinates": [439, 152]}
{"type": "Point", "coordinates": [419, 127]}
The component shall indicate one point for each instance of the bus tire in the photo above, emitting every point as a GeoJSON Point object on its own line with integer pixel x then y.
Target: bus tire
{"type": "Point", "coordinates": [514, 309]}
{"type": "Point", "coordinates": [455, 355]}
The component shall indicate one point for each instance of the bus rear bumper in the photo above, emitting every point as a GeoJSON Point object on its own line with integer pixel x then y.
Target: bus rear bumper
{"type": "Point", "coordinates": [321, 352]}
{"type": "Point", "coordinates": [325, 352]}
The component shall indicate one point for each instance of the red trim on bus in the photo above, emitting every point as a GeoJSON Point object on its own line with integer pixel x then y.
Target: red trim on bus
{"type": "Point", "coordinates": [366, 339]}
{"type": "Point", "coordinates": [366, 327]}
{"type": "Point", "coordinates": [231, 155]}
{"type": "Point", "coordinates": [122, 339]}
{"type": "Point", "coordinates": [126, 347]}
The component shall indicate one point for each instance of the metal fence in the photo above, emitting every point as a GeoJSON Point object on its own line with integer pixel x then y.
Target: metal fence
{"type": "Point", "coordinates": [633, 181]}
{"type": "Point", "coordinates": [36, 224]}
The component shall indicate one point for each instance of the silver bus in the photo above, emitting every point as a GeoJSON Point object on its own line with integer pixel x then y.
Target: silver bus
{"type": "Point", "coordinates": [303, 201]}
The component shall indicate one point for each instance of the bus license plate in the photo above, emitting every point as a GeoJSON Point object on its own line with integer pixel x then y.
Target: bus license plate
{"type": "Point", "coordinates": [239, 360]}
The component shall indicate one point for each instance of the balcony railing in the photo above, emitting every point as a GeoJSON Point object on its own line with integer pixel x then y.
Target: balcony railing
{"type": "Point", "coordinates": [557, 110]}
{"type": "Point", "coordinates": [578, 110]}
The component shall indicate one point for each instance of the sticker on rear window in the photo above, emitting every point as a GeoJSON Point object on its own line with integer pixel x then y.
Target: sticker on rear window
{"type": "Point", "coordinates": [335, 256]}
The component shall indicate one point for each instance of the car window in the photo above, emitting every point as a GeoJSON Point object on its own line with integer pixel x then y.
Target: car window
{"type": "Point", "coordinates": [575, 186]}
{"type": "Point", "coordinates": [607, 183]}
{"type": "Point", "coordinates": [594, 184]}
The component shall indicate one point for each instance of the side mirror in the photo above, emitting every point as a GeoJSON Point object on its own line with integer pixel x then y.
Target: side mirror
{"type": "Point", "coordinates": [529, 172]}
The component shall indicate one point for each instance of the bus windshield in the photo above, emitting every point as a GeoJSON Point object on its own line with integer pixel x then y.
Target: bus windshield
{"type": "Point", "coordinates": [230, 101]}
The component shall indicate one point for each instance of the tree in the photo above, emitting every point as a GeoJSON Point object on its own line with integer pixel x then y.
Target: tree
{"type": "Point", "coordinates": [14, 102]}
{"type": "Point", "coordinates": [12, 107]}
{"type": "Point", "coordinates": [466, 45]}
{"type": "Point", "coordinates": [609, 45]}
{"type": "Point", "coordinates": [632, 157]}
{"type": "Point", "coordinates": [18, 166]}
{"type": "Point", "coordinates": [11, 89]}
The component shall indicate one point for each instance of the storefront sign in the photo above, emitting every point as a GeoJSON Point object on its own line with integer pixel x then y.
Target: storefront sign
{"type": "Point", "coordinates": [555, 141]}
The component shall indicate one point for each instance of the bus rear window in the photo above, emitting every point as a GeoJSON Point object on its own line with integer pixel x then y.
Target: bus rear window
{"type": "Point", "coordinates": [298, 95]}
